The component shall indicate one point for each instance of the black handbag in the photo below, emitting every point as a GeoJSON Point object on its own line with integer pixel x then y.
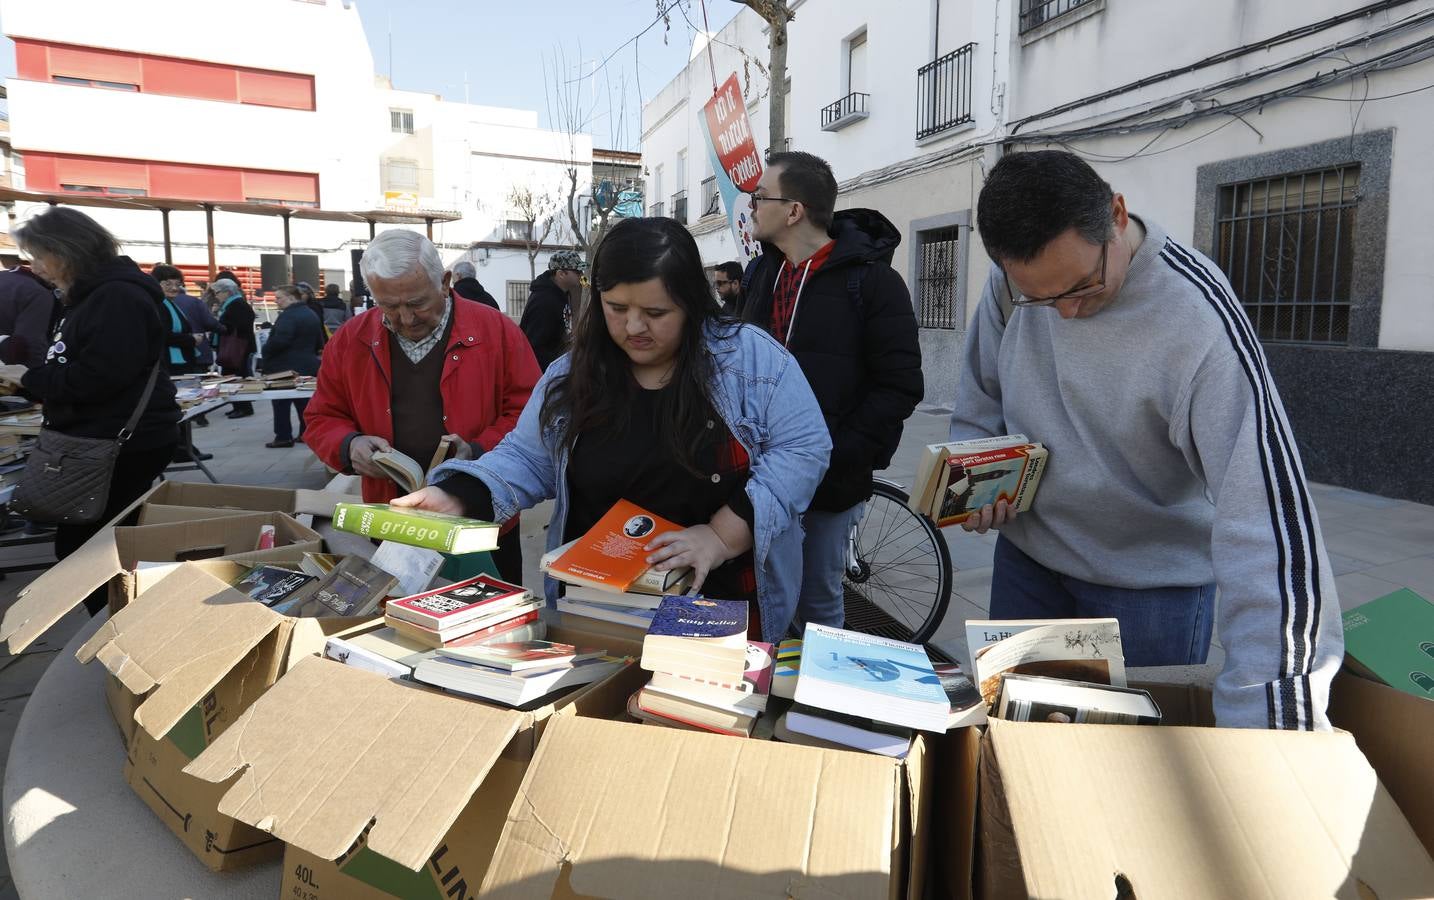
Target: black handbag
{"type": "Point", "coordinates": [67, 479]}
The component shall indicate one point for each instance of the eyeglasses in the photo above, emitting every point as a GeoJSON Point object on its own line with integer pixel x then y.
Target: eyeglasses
{"type": "Point", "coordinates": [1079, 293]}
{"type": "Point", "coordinates": [758, 198]}
{"type": "Point", "coordinates": [722, 282]}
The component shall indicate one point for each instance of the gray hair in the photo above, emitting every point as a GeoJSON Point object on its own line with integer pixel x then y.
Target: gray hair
{"type": "Point", "coordinates": [464, 268]}
{"type": "Point", "coordinates": [79, 244]}
{"type": "Point", "coordinates": [224, 287]}
{"type": "Point", "coordinates": [397, 252]}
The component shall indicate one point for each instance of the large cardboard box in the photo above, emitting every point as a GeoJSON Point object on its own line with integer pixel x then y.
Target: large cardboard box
{"type": "Point", "coordinates": [1395, 731]}
{"type": "Point", "coordinates": [612, 809]}
{"type": "Point", "coordinates": [1175, 810]}
{"type": "Point", "coordinates": [382, 788]}
{"type": "Point", "coordinates": [187, 661]}
{"type": "Point", "coordinates": [111, 556]}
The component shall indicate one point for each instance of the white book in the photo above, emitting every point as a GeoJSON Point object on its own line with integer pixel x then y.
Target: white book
{"type": "Point", "coordinates": [606, 612]}
{"type": "Point", "coordinates": [515, 688]}
{"type": "Point", "coordinates": [414, 567]}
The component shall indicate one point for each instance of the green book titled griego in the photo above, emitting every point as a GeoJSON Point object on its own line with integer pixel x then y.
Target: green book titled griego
{"type": "Point", "coordinates": [420, 528]}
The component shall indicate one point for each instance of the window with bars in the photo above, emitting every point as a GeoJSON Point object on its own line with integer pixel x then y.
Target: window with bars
{"type": "Point", "coordinates": [1287, 245]}
{"type": "Point", "coordinates": [400, 121]}
{"type": "Point", "coordinates": [518, 230]}
{"type": "Point", "coordinates": [936, 277]}
{"type": "Point", "coordinates": [517, 296]}
{"type": "Point", "coordinates": [1039, 12]}
{"type": "Point", "coordinates": [400, 175]}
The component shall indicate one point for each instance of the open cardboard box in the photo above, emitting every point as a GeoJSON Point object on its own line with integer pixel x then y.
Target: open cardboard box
{"type": "Point", "coordinates": [1174, 810]}
{"type": "Point", "coordinates": [186, 661]}
{"type": "Point", "coordinates": [111, 556]}
{"type": "Point", "coordinates": [1395, 731]}
{"type": "Point", "coordinates": [612, 809]}
{"type": "Point", "coordinates": [384, 788]}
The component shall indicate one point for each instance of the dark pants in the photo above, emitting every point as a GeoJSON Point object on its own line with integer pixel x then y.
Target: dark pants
{"type": "Point", "coordinates": [1163, 626]}
{"type": "Point", "coordinates": [135, 472]}
{"type": "Point", "coordinates": [283, 429]}
{"type": "Point", "coordinates": [508, 558]}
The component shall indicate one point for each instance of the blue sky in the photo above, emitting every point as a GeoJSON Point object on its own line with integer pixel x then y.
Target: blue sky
{"type": "Point", "coordinates": [502, 43]}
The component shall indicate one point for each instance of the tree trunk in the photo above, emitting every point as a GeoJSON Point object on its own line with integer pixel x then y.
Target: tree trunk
{"type": "Point", "coordinates": [578, 239]}
{"type": "Point", "coordinates": [777, 66]}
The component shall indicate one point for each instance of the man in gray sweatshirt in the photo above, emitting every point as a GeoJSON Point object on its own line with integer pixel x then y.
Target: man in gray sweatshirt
{"type": "Point", "coordinates": [1173, 469]}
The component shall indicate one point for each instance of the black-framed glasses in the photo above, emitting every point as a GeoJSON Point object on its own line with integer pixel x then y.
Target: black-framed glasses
{"type": "Point", "coordinates": [722, 282]}
{"type": "Point", "coordinates": [1090, 290]}
{"type": "Point", "coordinates": [758, 198]}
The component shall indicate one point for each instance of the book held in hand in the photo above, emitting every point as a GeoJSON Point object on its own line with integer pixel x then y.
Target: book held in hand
{"type": "Point", "coordinates": [446, 607]}
{"type": "Point", "coordinates": [1075, 649]}
{"type": "Point", "coordinates": [871, 677]}
{"type": "Point", "coordinates": [1031, 698]}
{"type": "Point", "coordinates": [611, 555]}
{"type": "Point", "coordinates": [957, 479]}
{"type": "Point", "coordinates": [421, 528]}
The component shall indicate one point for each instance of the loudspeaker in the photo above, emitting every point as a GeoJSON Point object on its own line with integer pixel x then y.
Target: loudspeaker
{"type": "Point", "coordinates": [358, 287]}
{"type": "Point", "coordinates": [306, 268]}
{"type": "Point", "coordinates": [273, 270]}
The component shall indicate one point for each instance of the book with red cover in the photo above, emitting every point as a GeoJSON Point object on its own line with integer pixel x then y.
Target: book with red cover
{"type": "Point", "coordinates": [441, 609]}
{"type": "Point", "coordinates": [610, 556]}
{"type": "Point", "coordinates": [520, 656]}
{"type": "Point", "coordinates": [481, 632]}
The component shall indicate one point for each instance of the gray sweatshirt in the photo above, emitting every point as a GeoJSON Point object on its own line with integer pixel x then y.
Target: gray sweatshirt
{"type": "Point", "coordinates": [1172, 464]}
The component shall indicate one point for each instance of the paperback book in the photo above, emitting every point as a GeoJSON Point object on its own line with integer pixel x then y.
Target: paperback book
{"type": "Point", "coordinates": [786, 668]}
{"type": "Point", "coordinates": [421, 528]}
{"type": "Point", "coordinates": [414, 567]}
{"type": "Point", "coordinates": [520, 656]}
{"type": "Point", "coordinates": [1031, 698]}
{"type": "Point", "coordinates": [527, 626]}
{"type": "Point", "coordinates": [720, 718]}
{"type": "Point", "coordinates": [384, 651]}
{"type": "Point", "coordinates": [967, 707]}
{"type": "Point", "coordinates": [871, 677]}
{"type": "Point", "coordinates": [492, 624]}
{"type": "Point", "coordinates": [697, 636]}
{"type": "Point", "coordinates": [512, 688]}
{"type": "Point", "coordinates": [925, 497]}
{"type": "Point", "coordinates": [450, 606]}
{"type": "Point", "coordinates": [611, 555]}
{"type": "Point", "coordinates": [607, 612]}
{"type": "Point", "coordinates": [1391, 639]}
{"type": "Point", "coordinates": [1075, 649]}
{"type": "Point", "coordinates": [751, 692]}
{"type": "Point", "coordinates": [354, 587]}
{"type": "Point", "coordinates": [272, 584]}
{"type": "Point", "coordinates": [854, 732]}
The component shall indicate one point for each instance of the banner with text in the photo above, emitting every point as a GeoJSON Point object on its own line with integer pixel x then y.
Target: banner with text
{"type": "Point", "coordinates": [735, 160]}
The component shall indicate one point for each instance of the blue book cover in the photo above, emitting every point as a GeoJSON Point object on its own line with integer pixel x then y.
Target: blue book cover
{"type": "Point", "coordinates": [868, 663]}
{"type": "Point", "coordinates": [699, 617]}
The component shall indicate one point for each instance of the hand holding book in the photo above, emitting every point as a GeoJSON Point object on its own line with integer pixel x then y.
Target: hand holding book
{"type": "Point", "coordinates": [701, 547]}
{"type": "Point", "coordinates": [990, 516]}
{"type": "Point", "coordinates": [433, 499]}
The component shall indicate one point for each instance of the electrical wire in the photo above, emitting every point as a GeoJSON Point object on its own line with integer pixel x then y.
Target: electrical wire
{"type": "Point", "coordinates": [661, 14]}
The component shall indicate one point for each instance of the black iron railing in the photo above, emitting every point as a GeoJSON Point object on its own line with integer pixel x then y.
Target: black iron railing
{"type": "Point", "coordinates": [850, 105]}
{"type": "Point", "coordinates": [943, 92]}
{"type": "Point", "coordinates": [679, 206]}
{"type": "Point", "coordinates": [1039, 12]}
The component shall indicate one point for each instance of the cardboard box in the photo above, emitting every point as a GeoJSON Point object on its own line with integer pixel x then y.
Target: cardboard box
{"type": "Point", "coordinates": [241, 497]}
{"type": "Point", "coordinates": [1175, 810]}
{"type": "Point", "coordinates": [187, 661]}
{"type": "Point", "coordinates": [611, 809]}
{"type": "Point", "coordinates": [112, 554]}
{"type": "Point", "coordinates": [389, 789]}
{"type": "Point", "coordinates": [1395, 731]}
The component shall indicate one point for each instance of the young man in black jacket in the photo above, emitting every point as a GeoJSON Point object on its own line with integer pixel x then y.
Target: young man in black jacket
{"type": "Point", "coordinates": [547, 317]}
{"type": "Point", "coordinates": [825, 289]}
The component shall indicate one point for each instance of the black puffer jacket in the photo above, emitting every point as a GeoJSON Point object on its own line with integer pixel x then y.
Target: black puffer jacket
{"type": "Point", "coordinates": [108, 338]}
{"type": "Point", "coordinates": [861, 356]}
{"type": "Point", "coordinates": [545, 320]}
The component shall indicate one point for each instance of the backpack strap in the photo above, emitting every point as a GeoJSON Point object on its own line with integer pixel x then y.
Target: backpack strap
{"type": "Point", "coordinates": [855, 276]}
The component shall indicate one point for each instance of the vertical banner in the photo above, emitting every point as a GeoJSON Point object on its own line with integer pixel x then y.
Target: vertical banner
{"type": "Point", "coordinates": [735, 161]}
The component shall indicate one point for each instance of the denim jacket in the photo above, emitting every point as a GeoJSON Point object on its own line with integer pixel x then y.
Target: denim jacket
{"type": "Point", "coordinates": [761, 395]}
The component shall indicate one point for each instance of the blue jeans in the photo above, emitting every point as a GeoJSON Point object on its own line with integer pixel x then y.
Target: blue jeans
{"type": "Point", "coordinates": [823, 561]}
{"type": "Point", "coordinates": [283, 429]}
{"type": "Point", "coordinates": [1168, 626]}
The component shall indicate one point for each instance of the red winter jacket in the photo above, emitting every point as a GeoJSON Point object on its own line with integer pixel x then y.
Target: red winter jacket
{"type": "Point", "coordinates": [487, 377]}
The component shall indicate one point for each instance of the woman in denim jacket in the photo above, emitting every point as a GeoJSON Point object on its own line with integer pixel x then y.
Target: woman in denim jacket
{"type": "Point", "coordinates": [700, 420]}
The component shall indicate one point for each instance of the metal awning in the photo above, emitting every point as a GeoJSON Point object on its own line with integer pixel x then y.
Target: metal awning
{"type": "Point", "coordinates": [164, 206]}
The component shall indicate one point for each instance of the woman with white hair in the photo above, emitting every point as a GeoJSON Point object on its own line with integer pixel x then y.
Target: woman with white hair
{"type": "Point", "coordinates": [236, 337]}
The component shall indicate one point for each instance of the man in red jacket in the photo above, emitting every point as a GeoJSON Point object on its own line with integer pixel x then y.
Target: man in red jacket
{"type": "Point", "coordinates": [415, 369]}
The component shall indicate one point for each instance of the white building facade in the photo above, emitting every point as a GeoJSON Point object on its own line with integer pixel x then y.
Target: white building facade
{"type": "Point", "coordinates": [1287, 141]}
{"type": "Point", "coordinates": [115, 101]}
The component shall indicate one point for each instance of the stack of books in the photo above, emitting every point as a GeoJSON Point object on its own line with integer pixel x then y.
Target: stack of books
{"type": "Point", "coordinates": [605, 572]}
{"type": "Point", "coordinates": [521, 675]}
{"type": "Point", "coordinates": [706, 675]}
{"type": "Point", "coordinates": [957, 479]}
{"type": "Point", "coordinates": [349, 587]}
{"type": "Point", "coordinates": [863, 692]}
{"type": "Point", "coordinates": [469, 611]}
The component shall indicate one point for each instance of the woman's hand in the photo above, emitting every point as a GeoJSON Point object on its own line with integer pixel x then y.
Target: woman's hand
{"type": "Point", "coordinates": [432, 499]}
{"type": "Point", "coordinates": [699, 547]}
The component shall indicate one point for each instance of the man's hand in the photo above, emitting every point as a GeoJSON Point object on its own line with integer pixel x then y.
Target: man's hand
{"type": "Point", "coordinates": [432, 499]}
{"type": "Point", "coordinates": [990, 517]}
{"type": "Point", "coordinates": [361, 451]}
{"type": "Point", "coordinates": [699, 547]}
{"type": "Point", "coordinates": [461, 448]}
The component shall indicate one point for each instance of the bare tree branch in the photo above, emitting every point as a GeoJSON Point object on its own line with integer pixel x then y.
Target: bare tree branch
{"type": "Point", "coordinates": [776, 14]}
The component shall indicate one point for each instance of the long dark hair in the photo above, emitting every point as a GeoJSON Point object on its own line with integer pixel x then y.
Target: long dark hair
{"type": "Point", "coordinates": [597, 389]}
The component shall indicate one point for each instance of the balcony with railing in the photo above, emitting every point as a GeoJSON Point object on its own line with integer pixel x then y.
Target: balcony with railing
{"type": "Point", "coordinates": [711, 199]}
{"type": "Point", "coordinates": [657, 210]}
{"type": "Point", "coordinates": [679, 207]}
{"type": "Point", "coordinates": [943, 93]}
{"type": "Point", "coordinates": [844, 112]}
{"type": "Point", "coordinates": [1035, 13]}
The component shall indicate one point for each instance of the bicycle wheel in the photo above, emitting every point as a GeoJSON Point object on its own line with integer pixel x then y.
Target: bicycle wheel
{"type": "Point", "coordinates": [898, 578]}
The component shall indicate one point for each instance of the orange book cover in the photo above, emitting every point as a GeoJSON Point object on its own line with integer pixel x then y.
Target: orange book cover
{"type": "Point", "coordinates": [611, 555]}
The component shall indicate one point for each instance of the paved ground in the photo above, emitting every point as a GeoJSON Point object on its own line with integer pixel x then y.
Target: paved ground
{"type": "Point", "coordinates": [1376, 545]}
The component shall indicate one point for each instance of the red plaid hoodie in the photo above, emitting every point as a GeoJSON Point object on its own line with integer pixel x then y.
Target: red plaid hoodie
{"type": "Point", "coordinates": [789, 286]}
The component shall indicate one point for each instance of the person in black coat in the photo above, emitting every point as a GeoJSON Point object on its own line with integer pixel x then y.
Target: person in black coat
{"type": "Point", "coordinates": [311, 300]}
{"type": "Point", "coordinates": [106, 344]}
{"type": "Point", "coordinates": [236, 318]}
{"type": "Point", "coordinates": [27, 309]}
{"type": "Point", "coordinates": [292, 346]}
{"type": "Point", "coordinates": [547, 316]}
{"type": "Point", "coordinates": [825, 289]}
{"type": "Point", "coordinates": [336, 311]}
{"type": "Point", "coordinates": [466, 285]}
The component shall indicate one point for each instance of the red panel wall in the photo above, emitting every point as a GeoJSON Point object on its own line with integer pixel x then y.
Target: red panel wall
{"type": "Point", "coordinates": [179, 181]}
{"type": "Point", "coordinates": [42, 61]}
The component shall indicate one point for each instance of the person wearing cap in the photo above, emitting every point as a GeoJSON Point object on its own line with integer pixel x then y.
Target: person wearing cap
{"type": "Point", "coordinates": [464, 283]}
{"type": "Point", "coordinates": [417, 369]}
{"type": "Point", "coordinates": [547, 317]}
